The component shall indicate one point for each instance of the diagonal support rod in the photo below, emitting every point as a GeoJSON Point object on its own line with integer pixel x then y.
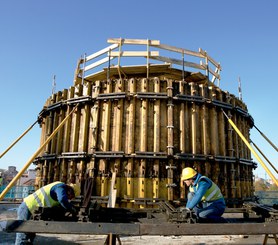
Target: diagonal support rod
{"type": "Point", "coordinates": [251, 149]}
{"type": "Point", "coordinates": [14, 180]}
{"type": "Point", "coordinates": [19, 138]}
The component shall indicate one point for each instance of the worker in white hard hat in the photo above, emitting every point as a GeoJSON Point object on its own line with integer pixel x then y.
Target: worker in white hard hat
{"type": "Point", "coordinates": [204, 196]}
{"type": "Point", "coordinates": [51, 195]}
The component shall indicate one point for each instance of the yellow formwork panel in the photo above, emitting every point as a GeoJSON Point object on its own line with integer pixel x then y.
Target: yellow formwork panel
{"type": "Point", "coordinates": [146, 130]}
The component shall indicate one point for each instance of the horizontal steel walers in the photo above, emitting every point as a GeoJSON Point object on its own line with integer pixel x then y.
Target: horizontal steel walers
{"type": "Point", "coordinates": [145, 95]}
{"type": "Point", "coordinates": [202, 157]}
{"type": "Point", "coordinates": [145, 155]}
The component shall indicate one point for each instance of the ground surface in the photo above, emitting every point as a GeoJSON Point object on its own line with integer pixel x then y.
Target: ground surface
{"type": "Point", "coordinates": [9, 212]}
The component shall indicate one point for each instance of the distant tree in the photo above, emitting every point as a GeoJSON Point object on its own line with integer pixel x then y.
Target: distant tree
{"type": "Point", "coordinates": [260, 185]}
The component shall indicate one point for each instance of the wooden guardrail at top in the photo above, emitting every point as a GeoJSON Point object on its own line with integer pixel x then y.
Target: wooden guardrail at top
{"type": "Point", "coordinates": [206, 62]}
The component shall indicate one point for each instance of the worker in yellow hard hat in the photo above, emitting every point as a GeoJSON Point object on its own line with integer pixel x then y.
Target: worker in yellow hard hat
{"type": "Point", "coordinates": [204, 196]}
{"type": "Point", "coordinates": [51, 195]}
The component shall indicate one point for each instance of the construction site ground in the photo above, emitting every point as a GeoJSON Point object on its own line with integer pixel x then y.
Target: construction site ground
{"type": "Point", "coordinates": [8, 211]}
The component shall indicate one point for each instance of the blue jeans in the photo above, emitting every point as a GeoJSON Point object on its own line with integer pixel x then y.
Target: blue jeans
{"type": "Point", "coordinates": [209, 211]}
{"type": "Point", "coordinates": [23, 213]}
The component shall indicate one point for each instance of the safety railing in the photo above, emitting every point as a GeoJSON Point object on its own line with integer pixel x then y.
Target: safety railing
{"type": "Point", "coordinates": [152, 49]}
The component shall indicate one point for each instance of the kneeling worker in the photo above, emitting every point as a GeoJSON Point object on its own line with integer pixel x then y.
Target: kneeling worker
{"type": "Point", "coordinates": [51, 195]}
{"type": "Point", "coordinates": [204, 197]}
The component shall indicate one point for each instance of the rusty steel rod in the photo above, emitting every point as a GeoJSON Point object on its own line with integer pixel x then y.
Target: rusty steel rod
{"type": "Point", "coordinates": [137, 229]}
{"type": "Point", "coordinates": [267, 139]}
{"type": "Point", "coordinates": [259, 150]}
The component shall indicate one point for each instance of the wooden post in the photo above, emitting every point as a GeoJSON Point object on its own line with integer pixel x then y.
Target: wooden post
{"type": "Point", "coordinates": [182, 119]}
{"type": "Point", "coordinates": [105, 139]}
{"type": "Point", "coordinates": [46, 164]}
{"type": "Point", "coordinates": [84, 132]}
{"type": "Point", "coordinates": [130, 140]}
{"type": "Point", "coordinates": [94, 128]}
{"type": "Point", "coordinates": [156, 128]}
{"type": "Point", "coordinates": [214, 138]}
{"type": "Point", "coordinates": [118, 125]}
{"type": "Point", "coordinates": [205, 130]}
{"type": "Point", "coordinates": [222, 146]}
{"type": "Point", "coordinates": [75, 136]}
{"type": "Point", "coordinates": [183, 133]}
{"type": "Point", "coordinates": [111, 238]}
{"type": "Point", "coordinates": [194, 126]}
{"type": "Point", "coordinates": [67, 139]}
{"type": "Point", "coordinates": [143, 139]}
{"type": "Point", "coordinates": [170, 138]}
{"type": "Point", "coordinates": [59, 139]}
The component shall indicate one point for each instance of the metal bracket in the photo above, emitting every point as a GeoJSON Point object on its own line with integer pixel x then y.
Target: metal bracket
{"type": "Point", "coordinates": [81, 99]}
{"type": "Point", "coordinates": [111, 96]}
{"type": "Point", "coordinates": [173, 185]}
{"type": "Point", "coordinates": [150, 95]}
{"type": "Point", "coordinates": [108, 154]}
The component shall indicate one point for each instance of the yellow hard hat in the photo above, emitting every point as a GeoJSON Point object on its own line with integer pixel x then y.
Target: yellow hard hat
{"type": "Point", "coordinates": [188, 173]}
{"type": "Point", "coordinates": [76, 189]}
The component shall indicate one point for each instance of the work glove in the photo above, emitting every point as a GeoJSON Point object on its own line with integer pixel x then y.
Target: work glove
{"type": "Point", "coordinates": [184, 209]}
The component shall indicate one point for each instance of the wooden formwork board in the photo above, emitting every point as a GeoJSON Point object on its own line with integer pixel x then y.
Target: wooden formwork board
{"type": "Point", "coordinates": [146, 130]}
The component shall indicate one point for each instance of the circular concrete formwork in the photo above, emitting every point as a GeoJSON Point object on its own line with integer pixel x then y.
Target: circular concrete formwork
{"type": "Point", "coordinates": [146, 130]}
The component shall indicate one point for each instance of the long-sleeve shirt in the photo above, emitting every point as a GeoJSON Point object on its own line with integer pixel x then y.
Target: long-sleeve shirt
{"type": "Point", "coordinates": [59, 193]}
{"type": "Point", "coordinates": [203, 186]}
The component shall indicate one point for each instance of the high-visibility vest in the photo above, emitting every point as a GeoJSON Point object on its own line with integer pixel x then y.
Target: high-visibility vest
{"type": "Point", "coordinates": [212, 194]}
{"type": "Point", "coordinates": [41, 198]}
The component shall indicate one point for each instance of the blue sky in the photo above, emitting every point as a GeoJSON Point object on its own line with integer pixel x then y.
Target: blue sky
{"type": "Point", "coordinates": [40, 39]}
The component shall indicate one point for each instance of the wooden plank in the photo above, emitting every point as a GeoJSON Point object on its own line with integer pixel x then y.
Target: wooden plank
{"type": "Point", "coordinates": [118, 107]}
{"type": "Point", "coordinates": [193, 117]}
{"type": "Point", "coordinates": [178, 62]}
{"type": "Point", "coordinates": [94, 119]}
{"type": "Point", "coordinates": [130, 139]}
{"type": "Point", "coordinates": [156, 139]}
{"type": "Point", "coordinates": [134, 41]}
{"type": "Point", "coordinates": [134, 53]}
{"type": "Point", "coordinates": [101, 52]}
{"type": "Point", "coordinates": [217, 71]}
{"type": "Point", "coordinates": [112, 193]}
{"type": "Point", "coordinates": [98, 63]}
{"type": "Point", "coordinates": [204, 53]}
{"type": "Point", "coordinates": [143, 140]}
{"type": "Point", "coordinates": [215, 74]}
{"type": "Point", "coordinates": [180, 50]}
